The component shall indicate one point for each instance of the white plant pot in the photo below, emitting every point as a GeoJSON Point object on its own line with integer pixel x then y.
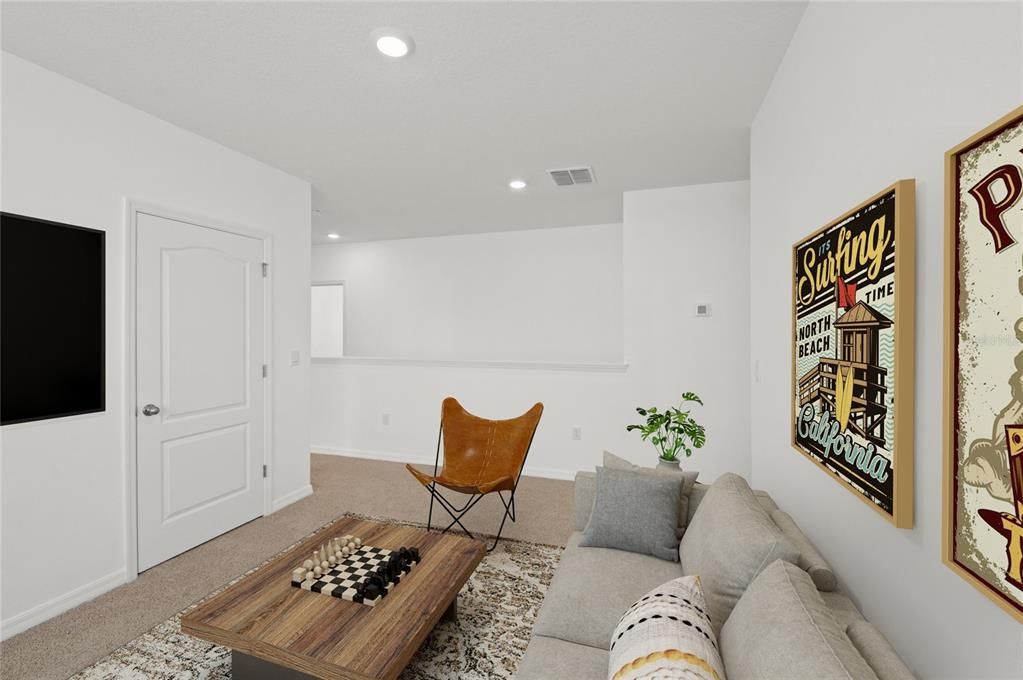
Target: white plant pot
{"type": "Point", "coordinates": [668, 464]}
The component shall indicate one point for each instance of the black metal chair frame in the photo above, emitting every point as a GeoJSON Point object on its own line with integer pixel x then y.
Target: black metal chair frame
{"type": "Point", "coordinates": [458, 513]}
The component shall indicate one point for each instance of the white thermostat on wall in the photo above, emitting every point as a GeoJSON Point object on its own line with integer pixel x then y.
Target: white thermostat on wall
{"type": "Point", "coordinates": [703, 309]}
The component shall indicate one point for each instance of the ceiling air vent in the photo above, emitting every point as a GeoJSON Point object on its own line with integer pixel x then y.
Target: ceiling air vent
{"type": "Point", "coordinates": [566, 177]}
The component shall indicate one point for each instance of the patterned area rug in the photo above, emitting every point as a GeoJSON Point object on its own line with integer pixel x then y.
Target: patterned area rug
{"type": "Point", "coordinates": [496, 610]}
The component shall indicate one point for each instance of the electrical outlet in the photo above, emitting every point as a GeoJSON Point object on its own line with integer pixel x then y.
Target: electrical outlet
{"type": "Point", "coordinates": [577, 433]}
{"type": "Point", "coordinates": [385, 419]}
{"type": "Point", "coordinates": [703, 309]}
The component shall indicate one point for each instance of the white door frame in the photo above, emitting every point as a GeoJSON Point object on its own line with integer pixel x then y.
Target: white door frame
{"type": "Point", "coordinates": [133, 208]}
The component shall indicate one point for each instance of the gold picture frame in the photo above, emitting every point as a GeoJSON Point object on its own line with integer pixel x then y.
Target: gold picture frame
{"type": "Point", "coordinates": [853, 325]}
{"type": "Point", "coordinates": [982, 491]}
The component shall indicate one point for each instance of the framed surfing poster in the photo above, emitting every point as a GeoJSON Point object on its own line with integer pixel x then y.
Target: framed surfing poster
{"type": "Point", "coordinates": [983, 463]}
{"type": "Point", "coordinates": [852, 350]}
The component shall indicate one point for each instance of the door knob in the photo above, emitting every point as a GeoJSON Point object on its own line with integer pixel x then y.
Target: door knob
{"type": "Point", "coordinates": [150, 410]}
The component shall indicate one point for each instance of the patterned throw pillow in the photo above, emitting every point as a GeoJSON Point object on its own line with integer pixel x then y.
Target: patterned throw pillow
{"type": "Point", "coordinates": [667, 634]}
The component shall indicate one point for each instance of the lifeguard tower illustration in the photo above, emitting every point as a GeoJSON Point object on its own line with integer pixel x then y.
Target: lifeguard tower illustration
{"type": "Point", "coordinates": [852, 385]}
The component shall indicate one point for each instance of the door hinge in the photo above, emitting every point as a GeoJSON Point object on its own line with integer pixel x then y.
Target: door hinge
{"type": "Point", "coordinates": [264, 471]}
{"type": "Point", "coordinates": [265, 370]}
{"type": "Point", "coordinates": [266, 269]}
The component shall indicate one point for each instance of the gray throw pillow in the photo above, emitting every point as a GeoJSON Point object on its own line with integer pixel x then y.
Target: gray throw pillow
{"type": "Point", "coordinates": [730, 540]}
{"type": "Point", "coordinates": [687, 479]}
{"type": "Point", "coordinates": [781, 628]}
{"type": "Point", "coordinates": [634, 511]}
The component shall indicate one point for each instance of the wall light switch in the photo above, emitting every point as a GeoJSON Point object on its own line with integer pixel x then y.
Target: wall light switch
{"type": "Point", "coordinates": [385, 419]}
{"type": "Point", "coordinates": [295, 357]}
{"type": "Point", "coordinates": [577, 433]}
{"type": "Point", "coordinates": [703, 309]}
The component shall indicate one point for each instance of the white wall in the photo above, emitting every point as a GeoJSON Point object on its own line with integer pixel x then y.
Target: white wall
{"type": "Point", "coordinates": [686, 246]}
{"type": "Point", "coordinates": [540, 295]}
{"type": "Point", "coordinates": [867, 94]}
{"type": "Point", "coordinates": [670, 243]}
{"type": "Point", "coordinates": [74, 155]}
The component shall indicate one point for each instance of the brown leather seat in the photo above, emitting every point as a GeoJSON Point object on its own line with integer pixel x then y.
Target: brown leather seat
{"type": "Point", "coordinates": [481, 456]}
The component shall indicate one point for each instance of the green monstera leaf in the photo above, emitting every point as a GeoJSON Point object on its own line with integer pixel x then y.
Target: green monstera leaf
{"type": "Point", "coordinates": [672, 431]}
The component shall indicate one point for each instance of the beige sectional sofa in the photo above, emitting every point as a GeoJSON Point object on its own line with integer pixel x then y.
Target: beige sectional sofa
{"type": "Point", "coordinates": [593, 587]}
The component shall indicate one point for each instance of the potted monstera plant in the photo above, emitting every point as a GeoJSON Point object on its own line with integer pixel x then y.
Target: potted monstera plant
{"type": "Point", "coordinates": [672, 430]}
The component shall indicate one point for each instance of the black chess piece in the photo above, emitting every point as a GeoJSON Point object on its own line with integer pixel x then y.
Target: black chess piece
{"type": "Point", "coordinates": [370, 590]}
{"type": "Point", "coordinates": [375, 579]}
{"type": "Point", "coordinates": [415, 555]}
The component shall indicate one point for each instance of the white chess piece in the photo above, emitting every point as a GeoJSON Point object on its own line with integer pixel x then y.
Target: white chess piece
{"type": "Point", "coordinates": [309, 575]}
{"type": "Point", "coordinates": [358, 543]}
{"type": "Point", "coordinates": [308, 564]}
{"type": "Point", "coordinates": [298, 574]}
{"type": "Point", "coordinates": [318, 571]}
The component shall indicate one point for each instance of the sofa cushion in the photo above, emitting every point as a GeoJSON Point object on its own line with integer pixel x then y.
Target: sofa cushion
{"type": "Point", "coordinates": [878, 652]}
{"type": "Point", "coordinates": [687, 478]}
{"type": "Point", "coordinates": [695, 498]}
{"type": "Point", "coordinates": [548, 658]}
{"type": "Point", "coordinates": [781, 628]}
{"type": "Point", "coordinates": [634, 511]}
{"type": "Point", "coordinates": [582, 505]}
{"type": "Point", "coordinates": [842, 608]}
{"type": "Point", "coordinates": [591, 589]}
{"type": "Point", "coordinates": [730, 540]}
{"type": "Point", "coordinates": [765, 500]}
{"type": "Point", "coordinates": [666, 633]}
{"type": "Point", "coordinates": [811, 561]}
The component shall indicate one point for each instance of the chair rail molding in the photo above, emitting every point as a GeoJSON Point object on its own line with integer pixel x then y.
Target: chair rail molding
{"type": "Point", "coordinates": [567, 366]}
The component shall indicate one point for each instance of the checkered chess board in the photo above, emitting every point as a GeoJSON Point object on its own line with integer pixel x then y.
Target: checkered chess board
{"type": "Point", "coordinates": [340, 581]}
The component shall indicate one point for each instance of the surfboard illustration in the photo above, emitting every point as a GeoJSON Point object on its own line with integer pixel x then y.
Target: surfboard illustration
{"type": "Point", "coordinates": [843, 396]}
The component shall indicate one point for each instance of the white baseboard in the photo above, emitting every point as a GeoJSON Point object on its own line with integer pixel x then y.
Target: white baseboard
{"type": "Point", "coordinates": [421, 459]}
{"type": "Point", "coordinates": [289, 498]}
{"type": "Point", "coordinates": [415, 459]}
{"type": "Point", "coordinates": [548, 473]}
{"type": "Point", "coordinates": [60, 604]}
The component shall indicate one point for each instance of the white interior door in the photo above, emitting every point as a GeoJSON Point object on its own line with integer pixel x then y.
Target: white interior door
{"type": "Point", "coordinates": [199, 368]}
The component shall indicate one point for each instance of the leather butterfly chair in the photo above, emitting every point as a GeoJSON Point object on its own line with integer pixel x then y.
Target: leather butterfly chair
{"type": "Point", "coordinates": [480, 457]}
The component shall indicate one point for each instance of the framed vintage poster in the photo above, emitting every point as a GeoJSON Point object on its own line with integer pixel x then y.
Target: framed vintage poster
{"type": "Point", "coordinates": [852, 350]}
{"type": "Point", "coordinates": [983, 467]}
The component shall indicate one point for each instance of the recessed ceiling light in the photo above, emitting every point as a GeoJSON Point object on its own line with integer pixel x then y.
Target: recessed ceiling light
{"type": "Point", "coordinates": [333, 235]}
{"type": "Point", "coordinates": [393, 42]}
{"type": "Point", "coordinates": [517, 184]}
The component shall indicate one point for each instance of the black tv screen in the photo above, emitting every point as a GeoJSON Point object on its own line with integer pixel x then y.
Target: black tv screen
{"type": "Point", "coordinates": [52, 287]}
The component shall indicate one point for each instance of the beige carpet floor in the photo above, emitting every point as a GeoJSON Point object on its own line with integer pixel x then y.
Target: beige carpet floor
{"type": "Point", "coordinates": [68, 643]}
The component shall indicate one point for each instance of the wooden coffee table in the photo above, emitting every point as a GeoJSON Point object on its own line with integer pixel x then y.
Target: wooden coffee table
{"type": "Point", "coordinates": [278, 631]}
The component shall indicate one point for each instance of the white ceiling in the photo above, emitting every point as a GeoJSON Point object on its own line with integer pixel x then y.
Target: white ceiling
{"type": "Point", "coordinates": [649, 94]}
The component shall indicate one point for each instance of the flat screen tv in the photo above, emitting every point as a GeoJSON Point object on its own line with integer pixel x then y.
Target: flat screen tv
{"type": "Point", "coordinates": [52, 287]}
